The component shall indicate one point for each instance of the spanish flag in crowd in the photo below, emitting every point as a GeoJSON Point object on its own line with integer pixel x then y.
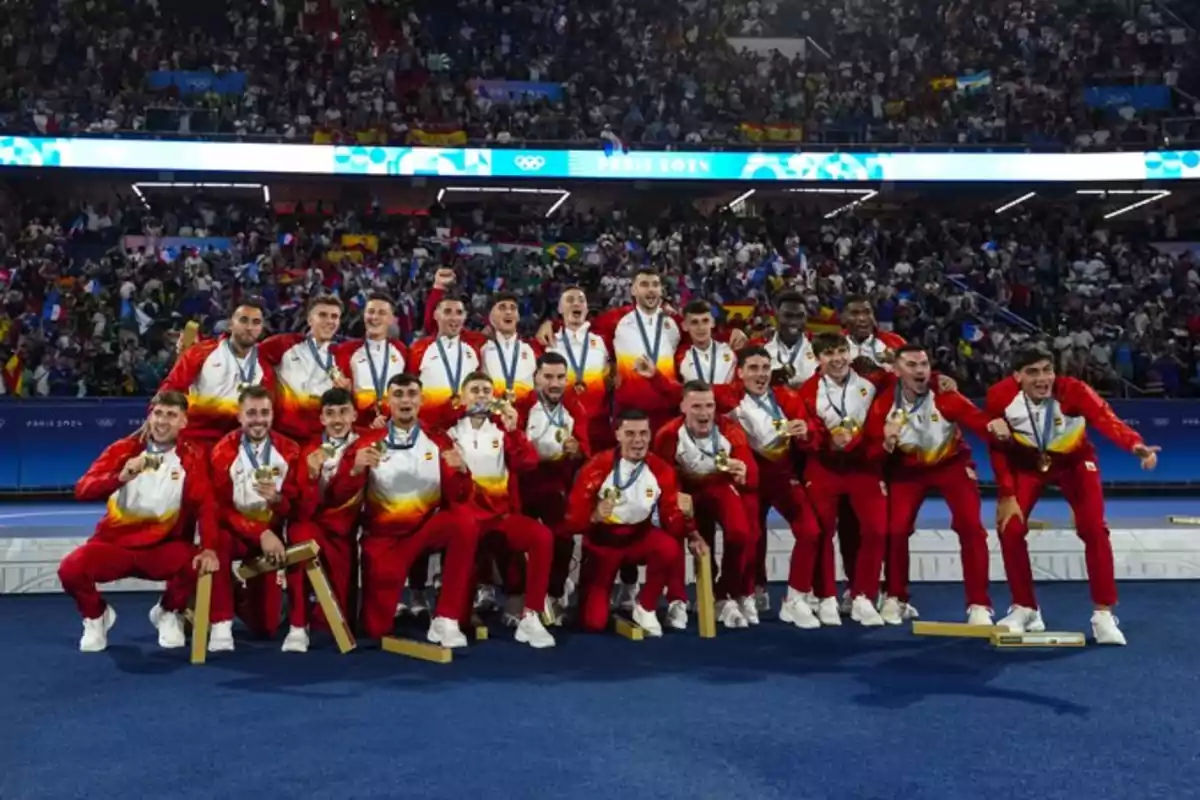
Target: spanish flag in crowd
{"type": "Point", "coordinates": [14, 371]}
{"type": "Point", "coordinates": [824, 321]}
{"type": "Point", "coordinates": [739, 311]}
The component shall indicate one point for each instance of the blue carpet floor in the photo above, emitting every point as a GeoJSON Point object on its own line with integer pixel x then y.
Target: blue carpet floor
{"type": "Point", "coordinates": [763, 714]}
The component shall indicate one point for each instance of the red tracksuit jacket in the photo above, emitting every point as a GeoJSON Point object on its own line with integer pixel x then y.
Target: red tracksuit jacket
{"type": "Point", "coordinates": [951, 407]}
{"type": "Point", "coordinates": [666, 445]}
{"type": "Point", "coordinates": [585, 496]}
{"type": "Point", "coordinates": [366, 400]}
{"type": "Point", "coordinates": [229, 516]}
{"type": "Point", "coordinates": [1078, 407]}
{"type": "Point", "coordinates": [555, 476]}
{"type": "Point", "coordinates": [210, 416]}
{"type": "Point", "coordinates": [494, 463]}
{"type": "Point", "coordinates": [400, 515]}
{"type": "Point", "coordinates": [315, 506]}
{"type": "Point", "coordinates": [151, 508]}
{"type": "Point", "coordinates": [864, 452]}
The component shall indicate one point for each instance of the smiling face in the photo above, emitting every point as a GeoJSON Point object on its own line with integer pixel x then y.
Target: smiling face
{"type": "Point", "coordinates": [699, 411]}
{"type": "Point", "coordinates": [791, 320]}
{"type": "Point", "coordinates": [699, 327]}
{"type": "Point", "coordinates": [404, 401]}
{"type": "Point", "coordinates": [255, 415]}
{"type": "Point", "coordinates": [860, 319]}
{"type": "Point", "coordinates": [324, 320]}
{"type": "Point", "coordinates": [913, 369]}
{"type": "Point", "coordinates": [551, 381]}
{"type": "Point", "coordinates": [245, 327]}
{"type": "Point", "coordinates": [338, 420]}
{"type": "Point", "coordinates": [476, 395]}
{"type": "Point", "coordinates": [378, 317]}
{"type": "Point", "coordinates": [633, 438]}
{"type": "Point", "coordinates": [647, 291]}
{"type": "Point", "coordinates": [450, 316]}
{"type": "Point", "coordinates": [165, 423]}
{"type": "Point", "coordinates": [835, 362]}
{"type": "Point", "coordinates": [755, 374]}
{"type": "Point", "coordinates": [1037, 379]}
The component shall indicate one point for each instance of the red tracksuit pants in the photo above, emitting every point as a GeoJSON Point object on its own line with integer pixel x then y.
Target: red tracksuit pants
{"type": "Point", "coordinates": [867, 493]}
{"type": "Point", "coordinates": [955, 480]}
{"type": "Point", "coordinates": [338, 557]}
{"type": "Point", "coordinates": [502, 540]}
{"type": "Point", "coordinates": [1080, 485]}
{"type": "Point", "coordinates": [606, 550]}
{"type": "Point", "coordinates": [102, 562]}
{"type": "Point", "coordinates": [659, 418]}
{"type": "Point", "coordinates": [778, 488]}
{"type": "Point", "coordinates": [386, 561]}
{"type": "Point", "coordinates": [258, 603]}
{"type": "Point", "coordinates": [550, 507]}
{"type": "Point", "coordinates": [736, 511]}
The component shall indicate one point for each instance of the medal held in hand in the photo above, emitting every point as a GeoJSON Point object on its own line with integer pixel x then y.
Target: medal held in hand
{"type": "Point", "coordinates": [262, 469]}
{"type": "Point", "coordinates": [1041, 439]}
{"type": "Point", "coordinates": [722, 461]}
{"type": "Point", "coordinates": [609, 493]}
{"type": "Point", "coordinates": [263, 474]}
{"type": "Point", "coordinates": [329, 449]}
{"type": "Point", "coordinates": [1044, 462]}
{"type": "Point", "coordinates": [151, 461]}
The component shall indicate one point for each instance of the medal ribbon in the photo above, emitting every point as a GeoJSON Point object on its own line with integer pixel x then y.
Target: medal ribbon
{"type": "Point", "coordinates": [616, 475]}
{"type": "Point", "coordinates": [576, 366]}
{"type": "Point", "coordinates": [378, 377]}
{"type": "Point", "coordinates": [916, 406]}
{"type": "Point", "coordinates": [558, 421]}
{"type": "Point", "coordinates": [1043, 440]}
{"type": "Point", "coordinates": [772, 408]}
{"type": "Point", "coordinates": [712, 364]}
{"type": "Point", "coordinates": [248, 449]}
{"type": "Point", "coordinates": [408, 443]}
{"type": "Point", "coordinates": [713, 439]}
{"type": "Point", "coordinates": [246, 376]}
{"type": "Point", "coordinates": [508, 369]}
{"type": "Point", "coordinates": [453, 376]}
{"type": "Point", "coordinates": [651, 352]}
{"type": "Point", "coordinates": [841, 412]}
{"type": "Point", "coordinates": [327, 364]}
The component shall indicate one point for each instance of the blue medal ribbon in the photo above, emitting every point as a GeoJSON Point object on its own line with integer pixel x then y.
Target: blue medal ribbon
{"type": "Point", "coordinates": [378, 377]}
{"type": "Point", "coordinates": [712, 364]}
{"type": "Point", "coordinates": [651, 352]}
{"type": "Point", "coordinates": [508, 369]}
{"type": "Point", "coordinates": [453, 376]}
{"type": "Point", "coordinates": [406, 444]}
{"type": "Point", "coordinates": [713, 439]}
{"type": "Point", "coordinates": [248, 449]}
{"type": "Point", "coordinates": [326, 365]}
{"type": "Point", "coordinates": [245, 378]}
{"type": "Point", "coordinates": [576, 366]}
{"type": "Point", "coordinates": [1042, 440]}
{"type": "Point", "coordinates": [616, 475]}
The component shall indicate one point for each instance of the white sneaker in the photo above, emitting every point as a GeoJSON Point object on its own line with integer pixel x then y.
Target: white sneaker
{"type": "Point", "coordinates": [95, 632]}
{"type": "Point", "coordinates": [555, 611]}
{"type": "Point", "coordinates": [863, 612]}
{"type": "Point", "coordinates": [979, 615]}
{"type": "Point", "coordinates": [796, 611]}
{"type": "Point", "coordinates": [532, 632]}
{"type": "Point", "coordinates": [485, 598]}
{"type": "Point", "coordinates": [296, 640]}
{"type": "Point", "coordinates": [677, 615]}
{"type": "Point", "coordinates": [401, 610]}
{"type": "Point", "coordinates": [1023, 620]}
{"type": "Point", "coordinates": [444, 631]}
{"type": "Point", "coordinates": [646, 620]}
{"type": "Point", "coordinates": [730, 614]}
{"type": "Point", "coordinates": [1105, 630]}
{"type": "Point", "coordinates": [909, 611]}
{"type": "Point", "coordinates": [829, 612]}
{"type": "Point", "coordinates": [626, 597]}
{"type": "Point", "coordinates": [170, 630]}
{"type": "Point", "coordinates": [220, 637]}
{"type": "Point", "coordinates": [750, 609]}
{"type": "Point", "coordinates": [156, 614]}
{"type": "Point", "coordinates": [762, 600]}
{"type": "Point", "coordinates": [812, 601]}
{"type": "Point", "coordinates": [892, 611]}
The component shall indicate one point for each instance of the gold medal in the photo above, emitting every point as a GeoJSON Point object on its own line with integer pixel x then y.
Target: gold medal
{"type": "Point", "coordinates": [1044, 462]}
{"type": "Point", "coordinates": [722, 461]}
{"type": "Point", "coordinates": [151, 462]}
{"type": "Point", "coordinates": [263, 474]}
{"type": "Point", "coordinates": [496, 406]}
{"type": "Point", "coordinates": [580, 387]}
{"type": "Point", "coordinates": [849, 425]}
{"type": "Point", "coordinates": [789, 372]}
{"type": "Point", "coordinates": [559, 436]}
{"type": "Point", "coordinates": [510, 397]}
{"type": "Point", "coordinates": [241, 387]}
{"type": "Point", "coordinates": [610, 493]}
{"type": "Point", "coordinates": [900, 416]}
{"type": "Point", "coordinates": [335, 375]}
{"type": "Point", "coordinates": [381, 446]}
{"type": "Point", "coordinates": [329, 449]}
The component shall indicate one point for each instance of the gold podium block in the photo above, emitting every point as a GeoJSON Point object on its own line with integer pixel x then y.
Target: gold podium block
{"type": "Point", "coordinates": [706, 611]}
{"type": "Point", "coordinates": [956, 629]}
{"type": "Point", "coordinates": [423, 651]}
{"type": "Point", "coordinates": [626, 628]}
{"type": "Point", "coordinates": [481, 633]}
{"type": "Point", "coordinates": [200, 620]}
{"type": "Point", "coordinates": [296, 554]}
{"type": "Point", "coordinates": [342, 634]}
{"type": "Point", "coordinates": [1006, 640]}
{"type": "Point", "coordinates": [1176, 519]}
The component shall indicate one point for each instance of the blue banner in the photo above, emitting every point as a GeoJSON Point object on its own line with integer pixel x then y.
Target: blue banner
{"type": "Point", "coordinates": [506, 91]}
{"type": "Point", "coordinates": [863, 167]}
{"type": "Point", "coordinates": [1154, 97]}
{"type": "Point", "coordinates": [49, 444]}
{"type": "Point", "coordinates": [190, 83]}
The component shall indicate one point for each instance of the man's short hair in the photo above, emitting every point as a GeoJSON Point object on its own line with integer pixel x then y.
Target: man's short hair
{"type": "Point", "coordinates": [171, 398]}
{"type": "Point", "coordinates": [632, 415]}
{"type": "Point", "coordinates": [474, 377]}
{"type": "Point", "coordinates": [255, 392]}
{"type": "Point", "coordinates": [550, 358]}
{"type": "Point", "coordinates": [910, 347]}
{"type": "Point", "coordinates": [404, 379]}
{"type": "Point", "coordinates": [326, 300]}
{"type": "Point", "coordinates": [696, 387]}
{"type": "Point", "coordinates": [336, 397]}
{"type": "Point", "coordinates": [828, 341]}
{"type": "Point", "coordinates": [1031, 354]}
{"type": "Point", "coordinates": [790, 297]}
{"type": "Point", "coordinates": [750, 351]}
{"type": "Point", "coordinates": [381, 297]}
{"type": "Point", "coordinates": [250, 301]}
{"type": "Point", "coordinates": [697, 307]}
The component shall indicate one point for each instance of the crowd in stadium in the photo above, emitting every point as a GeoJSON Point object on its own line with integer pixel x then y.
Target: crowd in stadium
{"type": "Point", "coordinates": [86, 315]}
{"type": "Point", "coordinates": [653, 74]}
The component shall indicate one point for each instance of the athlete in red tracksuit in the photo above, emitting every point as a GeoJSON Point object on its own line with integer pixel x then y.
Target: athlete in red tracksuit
{"type": "Point", "coordinates": [496, 451]}
{"type": "Point", "coordinates": [611, 503]}
{"type": "Point", "coordinates": [869, 347]}
{"type": "Point", "coordinates": [369, 363]}
{"type": "Point", "coordinates": [716, 467]}
{"type": "Point", "coordinates": [922, 431]}
{"type": "Point", "coordinates": [417, 490]}
{"type": "Point", "coordinates": [153, 483]}
{"type": "Point", "coordinates": [212, 373]}
{"type": "Point", "coordinates": [555, 421]}
{"type": "Point", "coordinates": [305, 368]}
{"type": "Point", "coordinates": [848, 462]}
{"type": "Point", "coordinates": [776, 424]}
{"type": "Point", "coordinates": [255, 489]}
{"type": "Point", "coordinates": [333, 527]}
{"type": "Point", "coordinates": [1049, 417]}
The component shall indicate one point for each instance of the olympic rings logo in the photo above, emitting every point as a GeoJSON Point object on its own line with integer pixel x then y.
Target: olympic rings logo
{"type": "Point", "coordinates": [529, 163]}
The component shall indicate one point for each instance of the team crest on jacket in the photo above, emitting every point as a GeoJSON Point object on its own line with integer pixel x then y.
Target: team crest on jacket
{"type": "Point", "coordinates": [863, 391]}
{"type": "Point", "coordinates": [495, 444]}
{"type": "Point", "coordinates": [649, 494]}
{"type": "Point", "coordinates": [728, 358]}
{"type": "Point", "coordinates": [934, 418]}
{"type": "Point", "coordinates": [429, 455]}
{"type": "Point", "coordinates": [175, 475]}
